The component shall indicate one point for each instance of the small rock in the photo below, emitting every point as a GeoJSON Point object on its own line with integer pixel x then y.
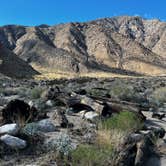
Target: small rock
{"type": "Point", "coordinates": [31, 103]}
{"type": "Point", "coordinates": [145, 132]}
{"type": "Point", "coordinates": [92, 116]}
{"type": "Point", "coordinates": [13, 142]}
{"type": "Point", "coordinates": [11, 129]}
{"type": "Point", "coordinates": [49, 103]}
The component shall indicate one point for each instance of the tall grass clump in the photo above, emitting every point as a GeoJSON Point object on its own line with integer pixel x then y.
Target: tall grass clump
{"type": "Point", "coordinates": [124, 121]}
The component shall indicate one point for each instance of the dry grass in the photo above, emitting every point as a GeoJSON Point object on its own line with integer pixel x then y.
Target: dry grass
{"type": "Point", "coordinates": [48, 74]}
{"type": "Point", "coordinates": [112, 137]}
{"type": "Point", "coordinates": [51, 74]}
{"type": "Point", "coordinates": [159, 95]}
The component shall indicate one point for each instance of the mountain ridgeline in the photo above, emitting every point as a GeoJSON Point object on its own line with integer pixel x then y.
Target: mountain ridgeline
{"type": "Point", "coordinates": [130, 45]}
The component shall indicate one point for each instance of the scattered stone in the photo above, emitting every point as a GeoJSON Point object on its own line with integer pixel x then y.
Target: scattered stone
{"type": "Point", "coordinates": [13, 142]}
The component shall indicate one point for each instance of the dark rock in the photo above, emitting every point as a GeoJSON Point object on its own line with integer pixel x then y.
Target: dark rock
{"type": "Point", "coordinates": [17, 111]}
{"type": "Point", "coordinates": [158, 115]}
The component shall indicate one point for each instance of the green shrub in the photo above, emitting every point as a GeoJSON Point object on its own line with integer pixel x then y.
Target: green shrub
{"type": "Point", "coordinates": [125, 121]}
{"type": "Point", "coordinates": [36, 93]}
{"type": "Point", "coordinates": [92, 155]}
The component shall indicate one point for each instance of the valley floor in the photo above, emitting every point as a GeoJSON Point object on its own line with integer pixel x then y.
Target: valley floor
{"type": "Point", "coordinates": [77, 112]}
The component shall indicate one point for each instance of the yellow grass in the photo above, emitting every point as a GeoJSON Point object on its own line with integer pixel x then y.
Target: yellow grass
{"type": "Point", "coordinates": [110, 137]}
{"type": "Point", "coordinates": [48, 74]}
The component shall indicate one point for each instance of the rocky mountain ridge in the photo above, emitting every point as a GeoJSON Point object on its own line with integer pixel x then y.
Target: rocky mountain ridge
{"type": "Point", "coordinates": [12, 66]}
{"type": "Point", "coordinates": [126, 43]}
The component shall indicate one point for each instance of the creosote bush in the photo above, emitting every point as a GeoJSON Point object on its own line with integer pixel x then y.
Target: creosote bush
{"type": "Point", "coordinates": [36, 93]}
{"type": "Point", "coordinates": [92, 155]}
{"type": "Point", "coordinates": [124, 121]}
{"type": "Point", "coordinates": [123, 92]}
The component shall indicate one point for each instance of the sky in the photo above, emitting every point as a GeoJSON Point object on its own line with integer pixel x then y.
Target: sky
{"type": "Point", "coordinates": [51, 12]}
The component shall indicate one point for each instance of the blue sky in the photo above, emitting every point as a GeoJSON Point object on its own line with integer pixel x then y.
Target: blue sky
{"type": "Point", "coordinates": [36, 12]}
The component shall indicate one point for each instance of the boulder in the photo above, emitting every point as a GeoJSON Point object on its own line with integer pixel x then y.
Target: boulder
{"type": "Point", "coordinates": [11, 129]}
{"type": "Point", "coordinates": [13, 142]}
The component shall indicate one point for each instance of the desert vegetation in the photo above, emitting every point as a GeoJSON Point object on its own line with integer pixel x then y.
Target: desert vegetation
{"type": "Point", "coordinates": [94, 121]}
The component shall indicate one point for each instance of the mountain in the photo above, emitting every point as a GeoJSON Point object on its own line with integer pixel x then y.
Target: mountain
{"type": "Point", "coordinates": [119, 44]}
{"type": "Point", "coordinates": [12, 66]}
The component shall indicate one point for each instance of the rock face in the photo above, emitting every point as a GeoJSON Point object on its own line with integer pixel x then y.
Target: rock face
{"type": "Point", "coordinates": [12, 66]}
{"type": "Point", "coordinates": [112, 44]}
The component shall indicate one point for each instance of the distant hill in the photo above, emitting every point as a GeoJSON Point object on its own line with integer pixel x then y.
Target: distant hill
{"type": "Point", "coordinates": [12, 66]}
{"type": "Point", "coordinates": [118, 44]}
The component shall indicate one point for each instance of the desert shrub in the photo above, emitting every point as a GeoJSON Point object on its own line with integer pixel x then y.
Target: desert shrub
{"type": "Point", "coordinates": [92, 155]}
{"type": "Point", "coordinates": [61, 145]}
{"type": "Point", "coordinates": [97, 92]}
{"type": "Point", "coordinates": [159, 96]}
{"type": "Point", "coordinates": [124, 121]}
{"type": "Point", "coordinates": [36, 93]}
{"type": "Point", "coordinates": [123, 92]}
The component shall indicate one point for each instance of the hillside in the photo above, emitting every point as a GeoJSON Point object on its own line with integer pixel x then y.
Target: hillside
{"type": "Point", "coordinates": [12, 66]}
{"type": "Point", "coordinates": [124, 44]}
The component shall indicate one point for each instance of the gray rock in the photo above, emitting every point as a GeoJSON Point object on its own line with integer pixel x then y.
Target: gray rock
{"type": "Point", "coordinates": [11, 129]}
{"type": "Point", "coordinates": [91, 116]}
{"type": "Point", "coordinates": [46, 126]}
{"type": "Point", "coordinates": [135, 137]}
{"type": "Point", "coordinates": [49, 103]}
{"type": "Point", "coordinates": [13, 142]}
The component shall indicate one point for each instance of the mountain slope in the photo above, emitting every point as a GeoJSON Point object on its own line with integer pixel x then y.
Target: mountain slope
{"type": "Point", "coordinates": [12, 66]}
{"type": "Point", "coordinates": [111, 44]}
